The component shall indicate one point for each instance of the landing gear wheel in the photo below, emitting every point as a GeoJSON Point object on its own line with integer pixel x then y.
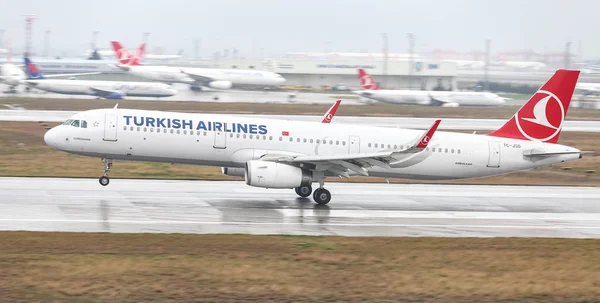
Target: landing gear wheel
{"type": "Point", "coordinates": [322, 196]}
{"type": "Point", "coordinates": [107, 166]}
{"type": "Point", "coordinates": [303, 191]}
{"type": "Point", "coordinates": [104, 180]}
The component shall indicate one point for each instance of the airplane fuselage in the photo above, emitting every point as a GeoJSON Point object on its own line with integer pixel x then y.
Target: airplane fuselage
{"type": "Point", "coordinates": [90, 87]}
{"type": "Point", "coordinates": [416, 97]}
{"type": "Point", "coordinates": [174, 74]}
{"type": "Point", "coordinates": [230, 141]}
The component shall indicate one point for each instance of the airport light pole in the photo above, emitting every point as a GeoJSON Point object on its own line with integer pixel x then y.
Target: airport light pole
{"type": "Point", "coordinates": [385, 58]}
{"type": "Point", "coordinates": [145, 41]}
{"type": "Point", "coordinates": [94, 37]}
{"type": "Point", "coordinates": [47, 42]}
{"type": "Point", "coordinates": [411, 50]}
{"type": "Point", "coordinates": [486, 66]}
{"type": "Point", "coordinates": [28, 29]}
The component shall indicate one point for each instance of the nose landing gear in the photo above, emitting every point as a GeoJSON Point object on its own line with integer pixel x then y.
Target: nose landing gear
{"type": "Point", "coordinates": [104, 180]}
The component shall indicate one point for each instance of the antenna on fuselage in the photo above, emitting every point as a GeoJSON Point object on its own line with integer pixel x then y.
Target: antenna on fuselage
{"type": "Point", "coordinates": [116, 106]}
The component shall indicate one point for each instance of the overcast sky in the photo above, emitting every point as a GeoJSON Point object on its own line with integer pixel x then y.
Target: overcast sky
{"type": "Point", "coordinates": [280, 26]}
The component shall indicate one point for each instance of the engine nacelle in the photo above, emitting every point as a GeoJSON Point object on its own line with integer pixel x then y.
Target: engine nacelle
{"type": "Point", "coordinates": [220, 84]}
{"type": "Point", "coordinates": [268, 174]}
{"type": "Point", "coordinates": [115, 96]}
{"type": "Point", "coordinates": [450, 104]}
{"type": "Point", "coordinates": [234, 171]}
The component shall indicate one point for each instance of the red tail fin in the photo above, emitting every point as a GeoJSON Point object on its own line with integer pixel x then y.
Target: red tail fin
{"type": "Point", "coordinates": [331, 112]}
{"type": "Point", "coordinates": [141, 50]}
{"type": "Point", "coordinates": [123, 56]}
{"type": "Point", "coordinates": [366, 81]}
{"type": "Point", "coordinates": [541, 118]}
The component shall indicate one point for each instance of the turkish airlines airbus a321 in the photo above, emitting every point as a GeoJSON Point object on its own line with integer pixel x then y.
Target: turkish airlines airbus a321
{"type": "Point", "coordinates": [272, 153]}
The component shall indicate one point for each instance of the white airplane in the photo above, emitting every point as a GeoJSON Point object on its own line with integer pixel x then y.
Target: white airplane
{"type": "Point", "coordinates": [197, 77]}
{"type": "Point", "coordinates": [13, 75]}
{"type": "Point", "coordinates": [588, 88]}
{"type": "Point", "coordinates": [418, 97]}
{"type": "Point", "coordinates": [293, 154]}
{"type": "Point", "coordinates": [101, 89]}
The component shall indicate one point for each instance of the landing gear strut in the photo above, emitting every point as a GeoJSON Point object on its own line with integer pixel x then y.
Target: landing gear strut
{"type": "Point", "coordinates": [104, 180]}
{"type": "Point", "coordinates": [321, 195]}
{"type": "Point", "coordinates": [303, 191]}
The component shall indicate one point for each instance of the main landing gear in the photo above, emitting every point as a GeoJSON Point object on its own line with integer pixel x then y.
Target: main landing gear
{"type": "Point", "coordinates": [104, 180]}
{"type": "Point", "coordinates": [320, 195]}
{"type": "Point", "coordinates": [303, 191]}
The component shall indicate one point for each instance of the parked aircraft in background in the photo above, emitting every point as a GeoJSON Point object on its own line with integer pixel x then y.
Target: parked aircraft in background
{"type": "Point", "coordinates": [420, 97]}
{"type": "Point", "coordinates": [101, 89]}
{"type": "Point", "coordinates": [196, 77]}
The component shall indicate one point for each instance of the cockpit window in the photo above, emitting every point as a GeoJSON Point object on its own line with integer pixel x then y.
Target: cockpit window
{"type": "Point", "coordinates": [76, 123]}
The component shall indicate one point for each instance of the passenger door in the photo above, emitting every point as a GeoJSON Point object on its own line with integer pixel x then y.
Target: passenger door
{"type": "Point", "coordinates": [494, 154]}
{"type": "Point", "coordinates": [221, 138]}
{"type": "Point", "coordinates": [110, 127]}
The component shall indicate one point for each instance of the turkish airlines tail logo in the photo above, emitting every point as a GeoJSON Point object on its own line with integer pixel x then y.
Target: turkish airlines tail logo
{"type": "Point", "coordinates": [541, 118]}
{"type": "Point", "coordinates": [366, 81]}
{"type": "Point", "coordinates": [331, 112]}
{"type": "Point", "coordinates": [124, 56]}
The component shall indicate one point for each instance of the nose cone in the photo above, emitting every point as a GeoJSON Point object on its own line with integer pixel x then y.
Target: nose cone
{"type": "Point", "coordinates": [51, 137]}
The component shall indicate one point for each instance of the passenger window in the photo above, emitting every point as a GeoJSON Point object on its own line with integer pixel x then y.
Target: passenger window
{"type": "Point", "coordinates": [389, 146]}
{"type": "Point", "coordinates": [452, 150]}
{"type": "Point", "coordinates": [151, 129]}
{"type": "Point", "coordinates": [172, 131]}
{"type": "Point", "coordinates": [446, 150]}
{"type": "Point", "coordinates": [343, 142]}
{"type": "Point", "coordinates": [124, 127]}
{"type": "Point", "coordinates": [318, 141]}
{"type": "Point", "coordinates": [298, 140]}
{"type": "Point", "coordinates": [458, 151]}
{"type": "Point", "coordinates": [369, 144]}
{"type": "Point", "coordinates": [75, 123]}
{"type": "Point", "coordinates": [376, 145]}
{"type": "Point", "coordinates": [184, 131]}
{"type": "Point", "coordinates": [304, 140]}
{"type": "Point", "coordinates": [178, 131]}
{"type": "Point", "coordinates": [83, 124]}
{"type": "Point", "coordinates": [230, 135]}
{"type": "Point", "coordinates": [337, 142]}
{"type": "Point", "coordinates": [291, 139]}
{"type": "Point", "coordinates": [145, 129]}
{"type": "Point", "coordinates": [395, 146]}
{"type": "Point", "coordinates": [251, 136]}
{"type": "Point", "coordinates": [330, 141]}
{"type": "Point", "coordinates": [311, 140]}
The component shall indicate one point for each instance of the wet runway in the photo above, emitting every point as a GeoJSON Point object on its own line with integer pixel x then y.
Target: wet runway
{"type": "Point", "coordinates": [157, 206]}
{"type": "Point", "coordinates": [417, 123]}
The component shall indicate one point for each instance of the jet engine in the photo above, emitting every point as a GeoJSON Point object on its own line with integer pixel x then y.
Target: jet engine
{"type": "Point", "coordinates": [220, 84]}
{"type": "Point", "coordinates": [115, 96]}
{"type": "Point", "coordinates": [268, 174]}
{"type": "Point", "coordinates": [450, 104]}
{"type": "Point", "coordinates": [233, 171]}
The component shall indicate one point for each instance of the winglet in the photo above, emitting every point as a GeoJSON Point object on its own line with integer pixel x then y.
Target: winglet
{"type": "Point", "coordinates": [331, 112]}
{"type": "Point", "coordinates": [424, 141]}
